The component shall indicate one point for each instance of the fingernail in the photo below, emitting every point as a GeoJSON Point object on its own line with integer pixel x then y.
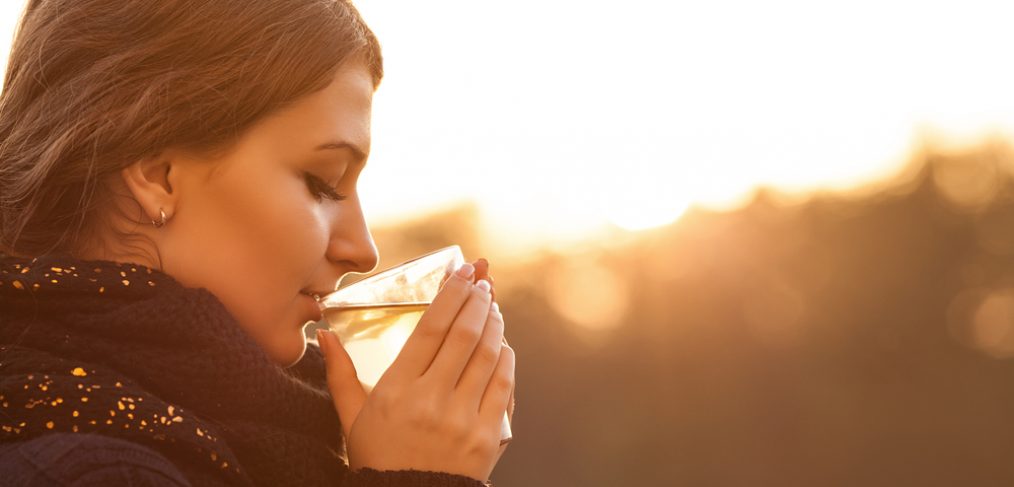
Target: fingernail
{"type": "Point", "coordinates": [465, 271]}
{"type": "Point", "coordinates": [483, 284]}
{"type": "Point", "coordinates": [496, 307]}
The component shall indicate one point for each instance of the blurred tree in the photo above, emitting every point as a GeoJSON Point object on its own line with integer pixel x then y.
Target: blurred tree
{"type": "Point", "coordinates": [852, 339]}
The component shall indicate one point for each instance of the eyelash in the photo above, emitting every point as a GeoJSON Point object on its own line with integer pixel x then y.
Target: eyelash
{"type": "Point", "coordinates": [319, 188]}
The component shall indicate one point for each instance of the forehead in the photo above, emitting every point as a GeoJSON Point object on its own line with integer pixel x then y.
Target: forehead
{"type": "Point", "coordinates": [339, 112]}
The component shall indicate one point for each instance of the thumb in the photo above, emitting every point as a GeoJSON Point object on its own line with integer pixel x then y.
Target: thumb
{"type": "Point", "coordinates": [346, 390]}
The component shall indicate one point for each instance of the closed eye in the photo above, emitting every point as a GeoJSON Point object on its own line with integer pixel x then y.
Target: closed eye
{"type": "Point", "coordinates": [320, 189]}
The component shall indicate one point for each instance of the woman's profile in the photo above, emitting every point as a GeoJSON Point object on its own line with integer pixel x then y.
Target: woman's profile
{"type": "Point", "coordinates": [177, 180]}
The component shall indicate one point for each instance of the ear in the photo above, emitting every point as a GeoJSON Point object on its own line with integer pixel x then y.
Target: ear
{"type": "Point", "coordinates": [150, 181]}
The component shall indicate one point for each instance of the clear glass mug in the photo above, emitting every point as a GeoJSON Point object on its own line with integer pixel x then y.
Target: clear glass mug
{"type": "Point", "coordinates": [375, 316]}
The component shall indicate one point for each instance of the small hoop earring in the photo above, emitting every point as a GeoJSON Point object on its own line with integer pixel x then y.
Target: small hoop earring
{"type": "Point", "coordinates": [162, 220]}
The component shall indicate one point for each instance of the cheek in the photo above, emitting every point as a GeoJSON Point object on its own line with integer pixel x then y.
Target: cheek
{"type": "Point", "coordinates": [271, 230]}
{"type": "Point", "coordinates": [260, 239]}
{"type": "Point", "coordinates": [281, 222]}
{"type": "Point", "coordinates": [282, 243]}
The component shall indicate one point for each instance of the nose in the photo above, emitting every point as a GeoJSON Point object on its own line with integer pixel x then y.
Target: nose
{"type": "Point", "coordinates": [351, 248]}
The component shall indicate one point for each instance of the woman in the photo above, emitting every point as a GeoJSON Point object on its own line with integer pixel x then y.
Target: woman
{"type": "Point", "coordinates": [177, 178]}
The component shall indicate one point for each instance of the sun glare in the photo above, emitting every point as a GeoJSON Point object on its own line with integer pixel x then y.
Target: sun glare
{"type": "Point", "coordinates": [562, 130]}
{"type": "Point", "coordinates": [641, 211]}
{"type": "Point", "coordinates": [561, 118]}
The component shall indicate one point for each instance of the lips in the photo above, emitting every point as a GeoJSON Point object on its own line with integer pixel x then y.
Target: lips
{"type": "Point", "coordinates": [311, 293]}
{"type": "Point", "coordinates": [311, 304]}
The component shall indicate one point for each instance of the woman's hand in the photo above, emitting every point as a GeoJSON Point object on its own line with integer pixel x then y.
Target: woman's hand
{"type": "Point", "coordinates": [440, 404]}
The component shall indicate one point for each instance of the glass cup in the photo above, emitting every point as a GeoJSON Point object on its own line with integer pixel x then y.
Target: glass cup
{"type": "Point", "coordinates": [374, 317]}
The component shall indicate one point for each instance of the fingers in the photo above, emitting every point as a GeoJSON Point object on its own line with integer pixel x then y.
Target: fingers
{"type": "Point", "coordinates": [462, 338]}
{"type": "Point", "coordinates": [484, 358]}
{"type": "Point", "coordinates": [510, 406]}
{"type": "Point", "coordinates": [510, 413]}
{"type": "Point", "coordinates": [343, 382]}
{"type": "Point", "coordinates": [498, 391]}
{"type": "Point", "coordinates": [422, 346]}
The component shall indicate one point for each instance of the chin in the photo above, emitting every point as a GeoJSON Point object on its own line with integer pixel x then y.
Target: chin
{"type": "Point", "coordinates": [289, 350]}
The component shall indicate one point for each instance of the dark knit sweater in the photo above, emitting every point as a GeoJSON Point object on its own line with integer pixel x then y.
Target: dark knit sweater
{"type": "Point", "coordinates": [160, 381]}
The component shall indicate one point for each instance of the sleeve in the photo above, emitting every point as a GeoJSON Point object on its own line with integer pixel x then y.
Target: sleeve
{"type": "Point", "coordinates": [81, 460]}
{"type": "Point", "coordinates": [367, 477]}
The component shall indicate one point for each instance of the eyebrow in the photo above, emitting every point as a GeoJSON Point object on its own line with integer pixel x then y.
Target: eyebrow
{"type": "Point", "coordinates": [359, 153]}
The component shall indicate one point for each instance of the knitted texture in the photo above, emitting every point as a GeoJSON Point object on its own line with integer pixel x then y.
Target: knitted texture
{"type": "Point", "coordinates": [126, 351]}
{"type": "Point", "coordinates": [407, 478]}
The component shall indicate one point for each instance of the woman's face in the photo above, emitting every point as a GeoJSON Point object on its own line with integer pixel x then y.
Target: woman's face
{"type": "Point", "coordinates": [262, 226]}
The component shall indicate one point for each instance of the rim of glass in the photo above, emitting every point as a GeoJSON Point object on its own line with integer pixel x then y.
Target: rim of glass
{"type": "Point", "coordinates": [398, 267]}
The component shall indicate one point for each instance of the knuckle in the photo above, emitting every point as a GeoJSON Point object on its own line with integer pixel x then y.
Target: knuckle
{"type": "Point", "coordinates": [458, 426]}
{"type": "Point", "coordinates": [428, 328]}
{"type": "Point", "coordinates": [495, 319]}
{"type": "Point", "coordinates": [504, 380]}
{"type": "Point", "coordinates": [424, 416]}
{"type": "Point", "coordinates": [465, 335]}
{"type": "Point", "coordinates": [457, 287]}
{"type": "Point", "coordinates": [508, 354]}
{"type": "Point", "coordinates": [488, 353]}
{"type": "Point", "coordinates": [478, 293]}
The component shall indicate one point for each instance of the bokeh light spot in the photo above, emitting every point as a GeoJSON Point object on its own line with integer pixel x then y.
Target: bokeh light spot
{"type": "Point", "coordinates": [588, 294]}
{"type": "Point", "coordinates": [968, 183]}
{"type": "Point", "coordinates": [992, 323]}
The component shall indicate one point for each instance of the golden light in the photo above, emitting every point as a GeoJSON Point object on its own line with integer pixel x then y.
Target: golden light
{"type": "Point", "coordinates": [774, 312]}
{"type": "Point", "coordinates": [551, 125]}
{"type": "Point", "coordinates": [646, 199]}
{"type": "Point", "coordinates": [589, 295]}
{"type": "Point", "coordinates": [993, 324]}
{"type": "Point", "coordinates": [983, 319]}
{"type": "Point", "coordinates": [642, 216]}
{"type": "Point", "coordinates": [561, 119]}
{"type": "Point", "coordinates": [966, 188]}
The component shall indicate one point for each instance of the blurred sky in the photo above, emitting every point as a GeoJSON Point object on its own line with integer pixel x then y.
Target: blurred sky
{"type": "Point", "coordinates": [564, 117]}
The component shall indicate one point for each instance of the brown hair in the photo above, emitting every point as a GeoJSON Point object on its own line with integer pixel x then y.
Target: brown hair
{"type": "Point", "coordinates": [95, 85]}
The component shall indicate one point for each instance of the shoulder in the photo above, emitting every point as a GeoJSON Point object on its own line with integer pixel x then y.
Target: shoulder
{"type": "Point", "coordinates": [69, 459]}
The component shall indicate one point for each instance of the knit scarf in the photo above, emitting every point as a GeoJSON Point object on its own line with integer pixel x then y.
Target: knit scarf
{"type": "Point", "coordinates": [126, 351]}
